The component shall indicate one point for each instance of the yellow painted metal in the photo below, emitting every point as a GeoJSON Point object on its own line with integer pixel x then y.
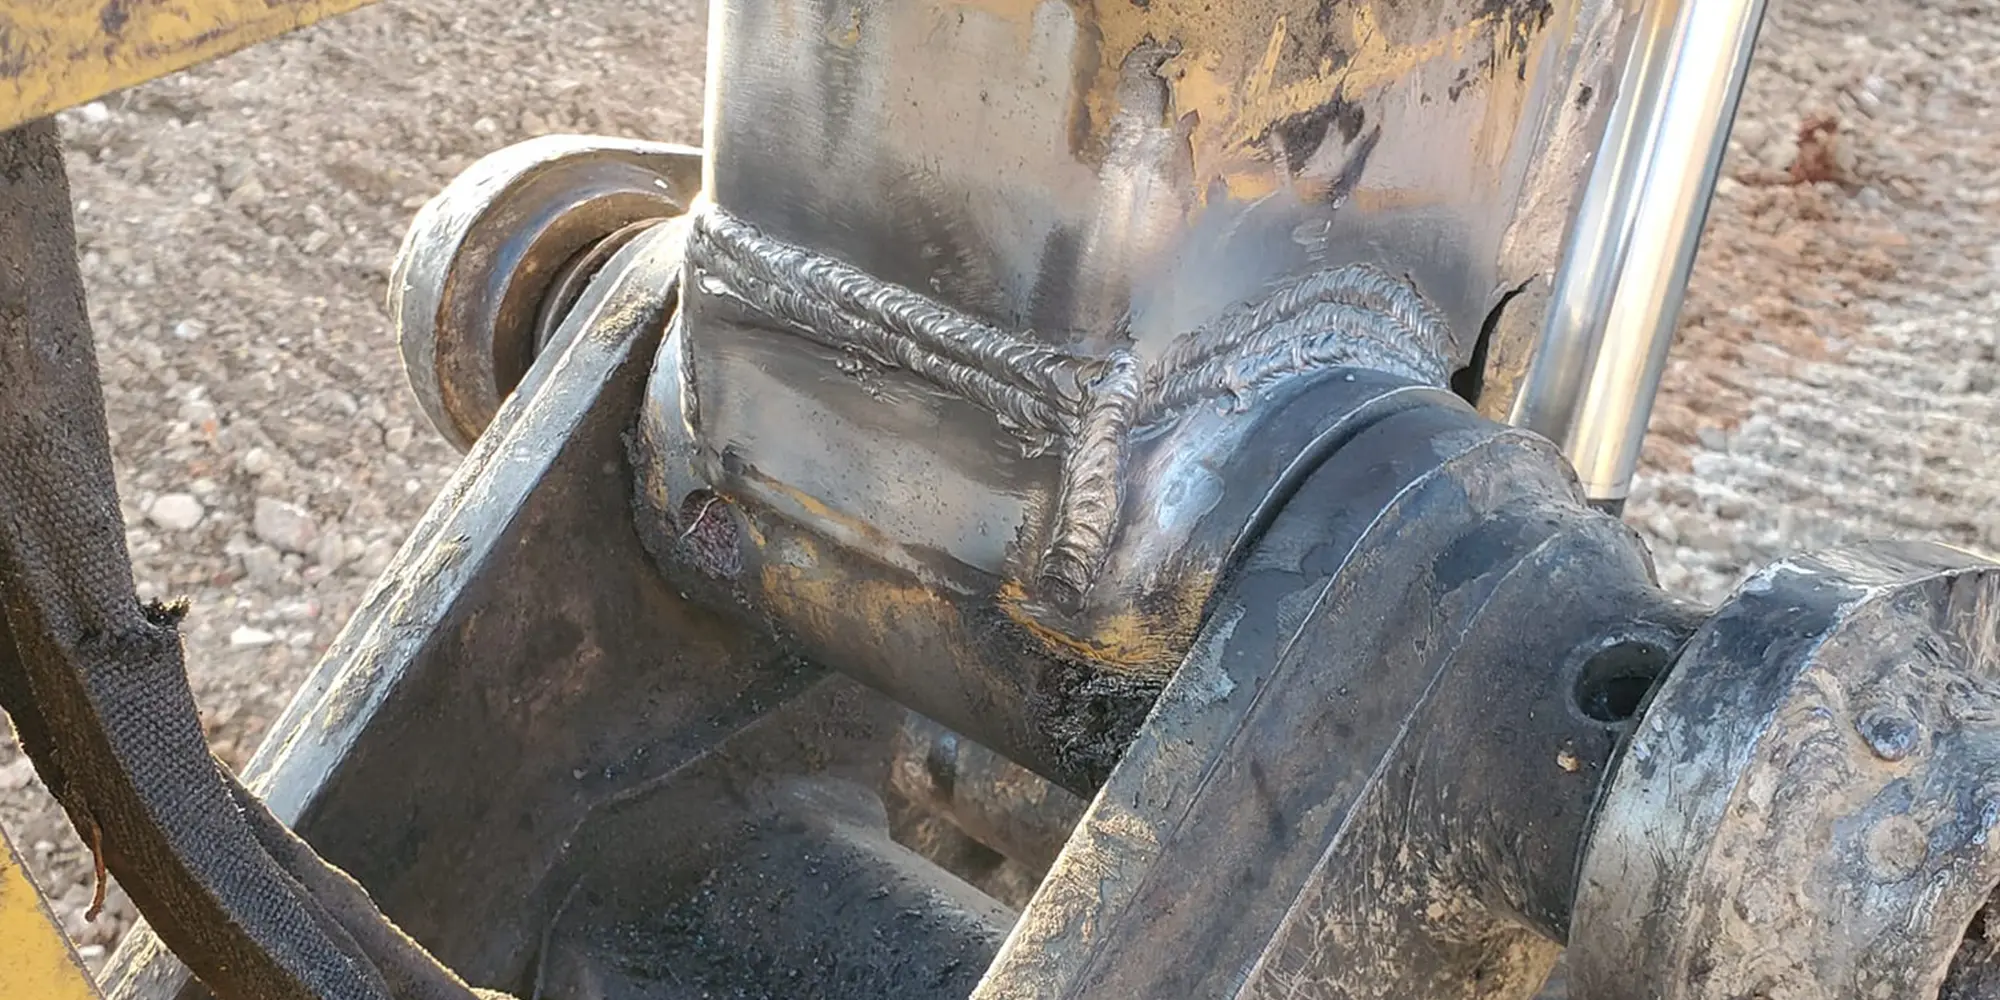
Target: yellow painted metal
{"type": "Point", "coordinates": [56, 54]}
{"type": "Point", "coordinates": [35, 957]}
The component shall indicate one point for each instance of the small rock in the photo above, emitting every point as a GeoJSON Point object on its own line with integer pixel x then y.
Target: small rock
{"type": "Point", "coordinates": [342, 401]}
{"type": "Point", "coordinates": [263, 565]}
{"type": "Point", "coordinates": [256, 461]}
{"type": "Point", "coordinates": [95, 113]}
{"type": "Point", "coordinates": [250, 638]}
{"type": "Point", "coordinates": [375, 558]}
{"type": "Point", "coordinates": [125, 315]}
{"type": "Point", "coordinates": [1713, 439]}
{"type": "Point", "coordinates": [175, 512]}
{"type": "Point", "coordinates": [236, 174]}
{"type": "Point", "coordinates": [332, 551]}
{"type": "Point", "coordinates": [397, 438]}
{"type": "Point", "coordinates": [251, 193]}
{"type": "Point", "coordinates": [1778, 154]}
{"type": "Point", "coordinates": [286, 526]}
{"type": "Point", "coordinates": [190, 329]}
{"type": "Point", "coordinates": [200, 414]}
{"type": "Point", "coordinates": [317, 241]}
{"type": "Point", "coordinates": [17, 775]}
{"type": "Point", "coordinates": [1663, 528]}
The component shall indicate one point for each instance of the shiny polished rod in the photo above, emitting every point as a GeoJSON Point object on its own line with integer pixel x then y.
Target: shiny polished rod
{"type": "Point", "coordinates": [1617, 295]}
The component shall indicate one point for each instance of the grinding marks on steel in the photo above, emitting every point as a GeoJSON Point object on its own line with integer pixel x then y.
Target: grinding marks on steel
{"type": "Point", "coordinates": [1354, 316]}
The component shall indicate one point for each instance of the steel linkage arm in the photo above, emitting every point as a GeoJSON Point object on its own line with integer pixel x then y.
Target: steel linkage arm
{"type": "Point", "coordinates": [1103, 416]}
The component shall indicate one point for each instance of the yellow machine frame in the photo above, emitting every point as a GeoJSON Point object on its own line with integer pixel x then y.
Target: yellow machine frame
{"type": "Point", "coordinates": [56, 54]}
{"type": "Point", "coordinates": [39, 963]}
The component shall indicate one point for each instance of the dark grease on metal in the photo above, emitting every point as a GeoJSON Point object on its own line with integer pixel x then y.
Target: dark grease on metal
{"type": "Point", "coordinates": [765, 869]}
{"type": "Point", "coordinates": [1088, 715]}
{"type": "Point", "coordinates": [548, 673]}
{"type": "Point", "coordinates": [1300, 136]}
{"type": "Point", "coordinates": [1830, 734]}
{"type": "Point", "coordinates": [1421, 555]}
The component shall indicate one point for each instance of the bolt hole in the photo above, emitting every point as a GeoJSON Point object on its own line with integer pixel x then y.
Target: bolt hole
{"type": "Point", "coordinates": [1614, 682]}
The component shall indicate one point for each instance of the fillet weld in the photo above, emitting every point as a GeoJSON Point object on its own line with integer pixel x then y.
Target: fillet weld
{"type": "Point", "coordinates": [731, 250]}
{"type": "Point", "coordinates": [816, 320]}
{"type": "Point", "coordinates": [1092, 485]}
{"type": "Point", "coordinates": [1357, 316]}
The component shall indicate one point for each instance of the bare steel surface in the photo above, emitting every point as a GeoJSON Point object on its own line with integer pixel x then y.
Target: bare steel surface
{"type": "Point", "coordinates": [260, 201]}
{"type": "Point", "coordinates": [1046, 396]}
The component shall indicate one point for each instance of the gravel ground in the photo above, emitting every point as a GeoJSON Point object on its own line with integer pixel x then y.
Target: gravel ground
{"type": "Point", "coordinates": [1835, 378]}
{"type": "Point", "coordinates": [1835, 375]}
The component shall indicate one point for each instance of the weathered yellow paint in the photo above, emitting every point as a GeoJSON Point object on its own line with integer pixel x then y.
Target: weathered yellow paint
{"type": "Point", "coordinates": [1239, 69]}
{"type": "Point", "coordinates": [35, 957]}
{"type": "Point", "coordinates": [1375, 63]}
{"type": "Point", "coordinates": [56, 54]}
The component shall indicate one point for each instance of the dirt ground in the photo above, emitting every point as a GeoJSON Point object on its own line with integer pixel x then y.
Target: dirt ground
{"type": "Point", "coordinates": [1835, 377]}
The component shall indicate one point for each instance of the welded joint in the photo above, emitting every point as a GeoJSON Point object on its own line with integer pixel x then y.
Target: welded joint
{"type": "Point", "coordinates": [1089, 407]}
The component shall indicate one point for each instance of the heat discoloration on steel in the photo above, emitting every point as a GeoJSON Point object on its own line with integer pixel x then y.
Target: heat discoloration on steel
{"type": "Point", "coordinates": [1031, 194]}
{"type": "Point", "coordinates": [56, 54]}
{"type": "Point", "coordinates": [1137, 642]}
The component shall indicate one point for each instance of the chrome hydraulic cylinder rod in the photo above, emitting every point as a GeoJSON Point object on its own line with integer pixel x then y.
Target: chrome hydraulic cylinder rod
{"type": "Point", "coordinates": [1591, 383]}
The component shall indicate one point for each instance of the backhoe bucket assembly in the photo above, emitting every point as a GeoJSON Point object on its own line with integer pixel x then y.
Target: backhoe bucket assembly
{"type": "Point", "coordinates": [1077, 500]}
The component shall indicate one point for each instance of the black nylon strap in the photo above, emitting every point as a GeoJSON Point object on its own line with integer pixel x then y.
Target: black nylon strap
{"type": "Point", "coordinates": [94, 681]}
